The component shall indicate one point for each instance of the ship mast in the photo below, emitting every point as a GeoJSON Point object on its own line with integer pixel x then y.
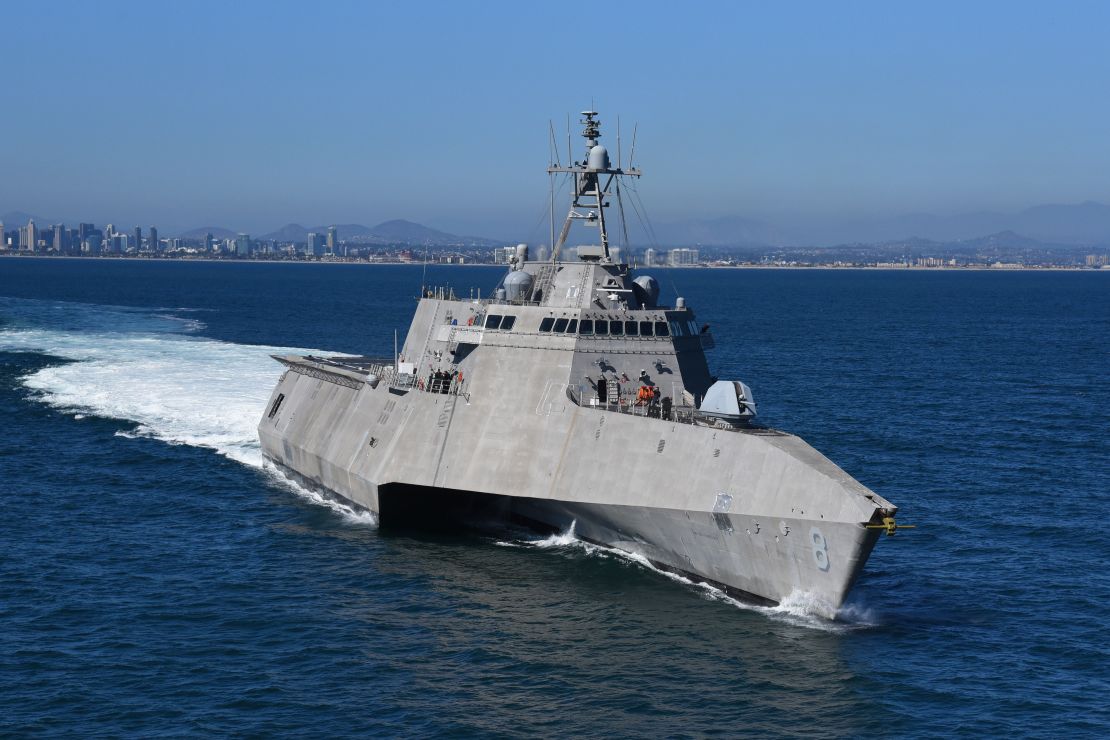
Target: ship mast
{"type": "Point", "coordinates": [593, 178]}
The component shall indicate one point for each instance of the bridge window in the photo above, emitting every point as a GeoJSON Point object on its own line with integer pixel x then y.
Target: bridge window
{"type": "Point", "coordinates": [631, 328]}
{"type": "Point", "coordinates": [587, 326]}
{"type": "Point", "coordinates": [560, 325]}
{"type": "Point", "coordinates": [661, 329]}
{"type": "Point", "coordinates": [572, 327]}
{"type": "Point", "coordinates": [645, 328]}
{"type": "Point", "coordinates": [507, 323]}
{"type": "Point", "coordinates": [616, 328]}
{"type": "Point", "coordinates": [547, 323]}
{"type": "Point", "coordinates": [693, 327]}
{"type": "Point", "coordinates": [677, 330]}
{"type": "Point", "coordinates": [493, 321]}
{"type": "Point", "coordinates": [601, 327]}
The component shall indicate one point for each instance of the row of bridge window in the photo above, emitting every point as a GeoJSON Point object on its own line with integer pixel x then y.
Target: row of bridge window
{"type": "Point", "coordinates": [600, 327]}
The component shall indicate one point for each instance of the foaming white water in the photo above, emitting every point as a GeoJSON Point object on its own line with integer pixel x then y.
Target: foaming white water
{"type": "Point", "coordinates": [799, 608]}
{"type": "Point", "coordinates": [553, 540]}
{"type": "Point", "coordinates": [349, 513]}
{"type": "Point", "coordinates": [177, 388]}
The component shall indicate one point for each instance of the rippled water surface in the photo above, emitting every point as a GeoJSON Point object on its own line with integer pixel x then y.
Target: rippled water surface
{"type": "Point", "coordinates": [156, 577]}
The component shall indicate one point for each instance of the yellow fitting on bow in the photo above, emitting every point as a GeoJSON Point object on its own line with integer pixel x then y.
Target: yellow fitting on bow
{"type": "Point", "coordinates": [889, 525]}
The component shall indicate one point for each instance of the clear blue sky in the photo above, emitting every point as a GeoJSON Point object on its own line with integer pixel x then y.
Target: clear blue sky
{"type": "Point", "coordinates": [253, 114]}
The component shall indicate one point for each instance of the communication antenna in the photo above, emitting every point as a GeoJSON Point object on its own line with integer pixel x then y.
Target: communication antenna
{"type": "Point", "coordinates": [424, 274]}
{"type": "Point", "coordinates": [569, 150]}
{"type": "Point", "coordinates": [554, 146]}
{"type": "Point", "coordinates": [620, 160]}
{"type": "Point", "coordinates": [635, 128]}
{"type": "Point", "coordinates": [551, 183]}
{"type": "Point", "coordinates": [594, 179]}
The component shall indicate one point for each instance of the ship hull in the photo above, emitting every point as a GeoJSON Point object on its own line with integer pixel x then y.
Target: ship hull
{"type": "Point", "coordinates": [760, 514]}
{"type": "Point", "coordinates": [748, 562]}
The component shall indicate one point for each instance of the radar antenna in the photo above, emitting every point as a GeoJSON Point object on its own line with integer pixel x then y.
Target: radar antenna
{"type": "Point", "coordinates": [594, 178]}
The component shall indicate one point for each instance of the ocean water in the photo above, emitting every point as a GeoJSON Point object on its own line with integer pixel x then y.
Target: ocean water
{"type": "Point", "coordinates": [157, 578]}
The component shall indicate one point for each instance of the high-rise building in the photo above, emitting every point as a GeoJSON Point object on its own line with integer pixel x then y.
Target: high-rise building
{"type": "Point", "coordinates": [59, 238]}
{"type": "Point", "coordinates": [312, 244]}
{"type": "Point", "coordinates": [30, 238]}
{"type": "Point", "coordinates": [208, 242]}
{"type": "Point", "coordinates": [243, 245]}
{"type": "Point", "coordinates": [682, 257]}
{"type": "Point", "coordinates": [649, 257]}
{"type": "Point", "coordinates": [137, 239]}
{"type": "Point", "coordinates": [332, 240]}
{"type": "Point", "coordinates": [154, 245]}
{"type": "Point", "coordinates": [83, 231]}
{"type": "Point", "coordinates": [92, 241]}
{"type": "Point", "coordinates": [118, 243]}
{"type": "Point", "coordinates": [3, 237]}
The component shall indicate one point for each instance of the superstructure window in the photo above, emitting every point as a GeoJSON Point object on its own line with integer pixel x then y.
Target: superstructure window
{"type": "Point", "coordinates": [645, 329]}
{"type": "Point", "coordinates": [493, 321]}
{"type": "Point", "coordinates": [616, 328]}
{"type": "Point", "coordinates": [547, 323]}
{"type": "Point", "coordinates": [601, 327]}
{"type": "Point", "coordinates": [572, 327]}
{"type": "Point", "coordinates": [661, 329]}
{"type": "Point", "coordinates": [631, 328]}
{"type": "Point", "coordinates": [560, 326]}
{"type": "Point", "coordinates": [507, 323]}
{"type": "Point", "coordinates": [276, 406]}
{"type": "Point", "coordinates": [587, 327]}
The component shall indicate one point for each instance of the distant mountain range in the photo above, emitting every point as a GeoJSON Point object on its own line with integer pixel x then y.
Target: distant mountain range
{"type": "Point", "coordinates": [1083, 224]}
{"type": "Point", "coordinates": [1080, 224]}
{"type": "Point", "coordinates": [217, 232]}
{"type": "Point", "coordinates": [12, 219]}
{"type": "Point", "coordinates": [397, 231]}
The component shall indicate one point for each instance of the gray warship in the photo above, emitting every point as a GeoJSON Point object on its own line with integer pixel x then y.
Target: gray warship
{"type": "Point", "coordinates": [571, 397]}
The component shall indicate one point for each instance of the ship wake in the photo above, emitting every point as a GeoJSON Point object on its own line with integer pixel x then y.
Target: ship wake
{"type": "Point", "coordinates": [151, 369]}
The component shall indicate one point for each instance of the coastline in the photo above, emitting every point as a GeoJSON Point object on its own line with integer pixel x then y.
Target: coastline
{"type": "Point", "coordinates": [369, 263]}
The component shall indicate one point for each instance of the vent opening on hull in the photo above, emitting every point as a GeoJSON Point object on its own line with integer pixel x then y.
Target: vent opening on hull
{"type": "Point", "coordinates": [276, 406]}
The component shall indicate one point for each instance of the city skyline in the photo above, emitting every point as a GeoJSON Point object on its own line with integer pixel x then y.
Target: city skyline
{"type": "Point", "coordinates": [813, 116]}
{"type": "Point", "coordinates": [1005, 250]}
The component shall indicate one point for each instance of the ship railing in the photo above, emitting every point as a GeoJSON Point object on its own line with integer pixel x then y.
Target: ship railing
{"type": "Point", "coordinates": [628, 402]}
{"type": "Point", "coordinates": [586, 397]}
{"type": "Point", "coordinates": [363, 365]}
{"type": "Point", "coordinates": [440, 292]}
{"type": "Point", "coordinates": [400, 381]}
{"type": "Point", "coordinates": [452, 385]}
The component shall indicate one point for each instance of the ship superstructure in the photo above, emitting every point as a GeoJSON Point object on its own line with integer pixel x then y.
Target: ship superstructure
{"type": "Point", "coordinates": [572, 396]}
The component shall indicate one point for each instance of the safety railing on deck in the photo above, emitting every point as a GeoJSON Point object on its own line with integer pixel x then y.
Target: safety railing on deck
{"type": "Point", "coordinates": [585, 396]}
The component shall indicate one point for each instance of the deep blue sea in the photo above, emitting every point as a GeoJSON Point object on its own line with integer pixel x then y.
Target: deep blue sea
{"type": "Point", "coordinates": [156, 578]}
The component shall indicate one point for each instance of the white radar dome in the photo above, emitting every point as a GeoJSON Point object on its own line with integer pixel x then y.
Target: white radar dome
{"type": "Point", "coordinates": [599, 158]}
{"type": "Point", "coordinates": [518, 285]}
